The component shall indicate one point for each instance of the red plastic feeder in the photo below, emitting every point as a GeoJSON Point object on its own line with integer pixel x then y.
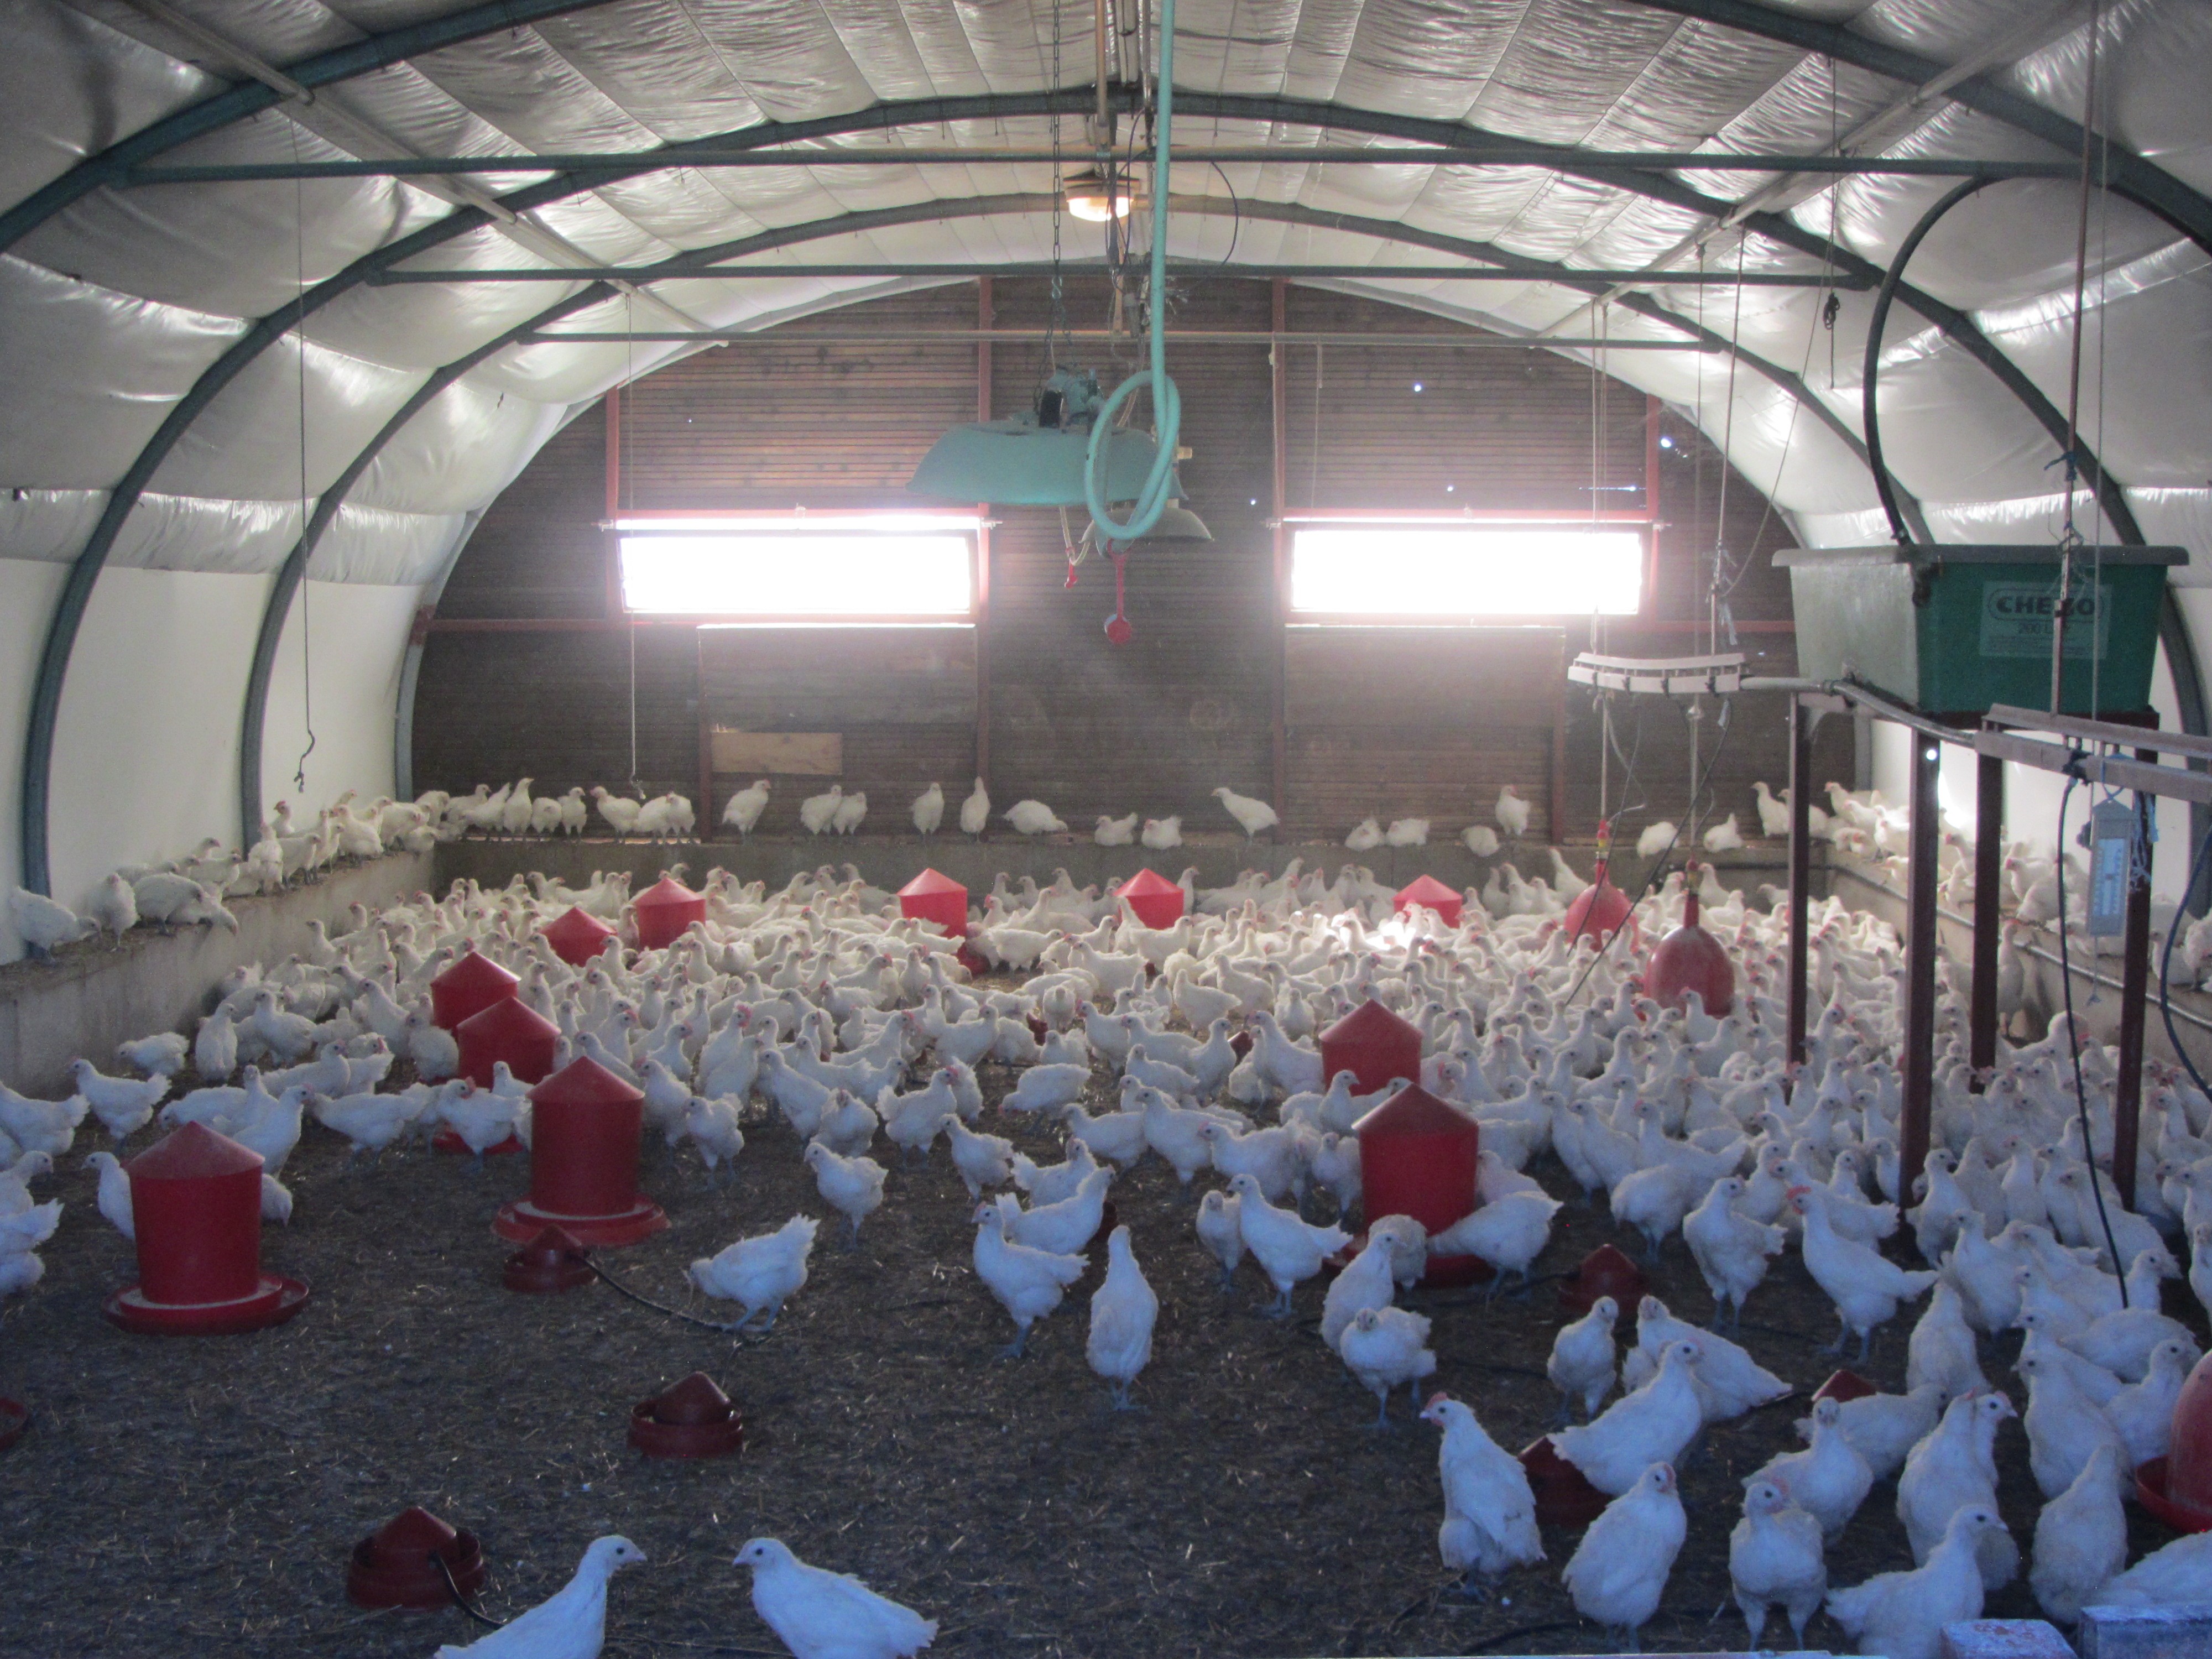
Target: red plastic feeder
{"type": "Point", "coordinates": [2178, 1488]}
{"type": "Point", "coordinates": [550, 1262]}
{"type": "Point", "coordinates": [1600, 909]}
{"type": "Point", "coordinates": [468, 987]}
{"type": "Point", "coordinates": [1430, 894]}
{"type": "Point", "coordinates": [1691, 959]}
{"type": "Point", "coordinates": [512, 1030]}
{"type": "Point", "coordinates": [577, 936]}
{"type": "Point", "coordinates": [1417, 1157]}
{"type": "Point", "coordinates": [1377, 1047]}
{"type": "Point", "coordinates": [933, 897]}
{"type": "Point", "coordinates": [1844, 1386]}
{"type": "Point", "coordinates": [585, 1125]}
{"type": "Point", "coordinates": [197, 1199]}
{"type": "Point", "coordinates": [1157, 901]}
{"type": "Point", "coordinates": [664, 910]}
{"type": "Point", "coordinates": [1604, 1272]}
{"type": "Point", "coordinates": [1564, 1495]}
{"type": "Point", "coordinates": [14, 1418]}
{"type": "Point", "coordinates": [397, 1566]}
{"type": "Point", "coordinates": [695, 1419]}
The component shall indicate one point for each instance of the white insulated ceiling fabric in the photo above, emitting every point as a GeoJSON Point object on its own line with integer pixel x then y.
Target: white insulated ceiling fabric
{"type": "Point", "coordinates": [112, 308]}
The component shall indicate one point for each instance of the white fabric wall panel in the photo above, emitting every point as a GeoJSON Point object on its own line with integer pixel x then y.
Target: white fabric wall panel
{"type": "Point", "coordinates": [457, 452]}
{"type": "Point", "coordinates": [247, 442]}
{"type": "Point", "coordinates": [1950, 431]}
{"type": "Point", "coordinates": [163, 533]}
{"type": "Point", "coordinates": [71, 86]}
{"type": "Point", "coordinates": [90, 375]}
{"type": "Point", "coordinates": [28, 593]}
{"type": "Point", "coordinates": [353, 637]}
{"type": "Point", "coordinates": [146, 751]}
{"type": "Point", "coordinates": [376, 545]}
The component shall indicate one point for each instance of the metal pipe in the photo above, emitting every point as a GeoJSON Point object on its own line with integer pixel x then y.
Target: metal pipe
{"type": "Point", "coordinates": [2134, 988]}
{"type": "Point", "coordinates": [678, 271]}
{"type": "Point", "coordinates": [961, 336]}
{"type": "Point", "coordinates": [1497, 153]}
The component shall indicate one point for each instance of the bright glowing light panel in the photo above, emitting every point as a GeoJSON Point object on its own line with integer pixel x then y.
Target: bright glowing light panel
{"type": "Point", "coordinates": [770, 575]}
{"type": "Point", "coordinates": [1466, 571]}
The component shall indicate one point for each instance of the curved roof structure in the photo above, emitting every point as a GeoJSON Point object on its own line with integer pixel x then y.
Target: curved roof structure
{"type": "Point", "coordinates": [228, 375]}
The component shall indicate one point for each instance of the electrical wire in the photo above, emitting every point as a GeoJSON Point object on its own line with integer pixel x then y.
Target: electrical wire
{"type": "Point", "coordinates": [453, 1589]}
{"type": "Point", "coordinates": [1235, 212]}
{"type": "Point", "coordinates": [591, 1261]}
{"type": "Point", "coordinates": [306, 621]}
{"type": "Point", "coordinates": [2074, 1039]}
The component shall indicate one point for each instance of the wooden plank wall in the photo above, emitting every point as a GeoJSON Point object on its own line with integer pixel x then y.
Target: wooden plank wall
{"type": "Point", "coordinates": [1387, 721]}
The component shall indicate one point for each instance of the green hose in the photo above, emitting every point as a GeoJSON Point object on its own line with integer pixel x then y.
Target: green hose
{"type": "Point", "coordinates": [1167, 401]}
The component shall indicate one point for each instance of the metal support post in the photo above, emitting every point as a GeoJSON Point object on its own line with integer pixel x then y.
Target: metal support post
{"type": "Point", "coordinates": [1800, 869]}
{"type": "Point", "coordinates": [1920, 951]}
{"type": "Point", "coordinates": [1989, 918]}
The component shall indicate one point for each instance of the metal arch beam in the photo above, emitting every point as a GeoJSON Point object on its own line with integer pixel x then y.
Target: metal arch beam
{"type": "Point", "coordinates": [247, 98]}
{"type": "Point", "coordinates": [84, 573]}
{"type": "Point", "coordinates": [278, 608]}
{"type": "Point", "coordinates": [2141, 181]}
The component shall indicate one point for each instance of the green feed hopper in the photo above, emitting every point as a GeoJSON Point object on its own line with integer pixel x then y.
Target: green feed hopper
{"type": "Point", "coordinates": [1952, 630]}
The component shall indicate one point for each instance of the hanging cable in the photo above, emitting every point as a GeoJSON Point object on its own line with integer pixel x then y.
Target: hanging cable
{"type": "Point", "coordinates": [621, 463]}
{"type": "Point", "coordinates": [1151, 496]}
{"type": "Point", "coordinates": [2074, 1038]}
{"type": "Point", "coordinates": [2069, 536]}
{"type": "Point", "coordinates": [306, 588]}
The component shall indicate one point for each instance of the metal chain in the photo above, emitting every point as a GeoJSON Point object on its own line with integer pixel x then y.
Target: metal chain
{"type": "Point", "coordinates": [1056, 325]}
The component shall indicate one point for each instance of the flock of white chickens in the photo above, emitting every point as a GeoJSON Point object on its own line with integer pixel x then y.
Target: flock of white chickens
{"type": "Point", "coordinates": [819, 1005]}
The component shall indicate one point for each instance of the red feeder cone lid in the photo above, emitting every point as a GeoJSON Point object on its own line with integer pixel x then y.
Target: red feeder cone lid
{"type": "Point", "coordinates": [1604, 1272]}
{"type": "Point", "coordinates": [1564, 1495]}
{"type": "Point", "coordinates": [393, 1566]}
{"type": "Point", "coordinates": [1414, 1111]}
{"type": "Point", "coordinates": [584, 1082]}
{"type": "Point", "coordinates": [1430, 894]}
{"type": "Point", "coordinates": [512, 1030]}
{"type": "Point", "coordinates": [695, 1419]}
{"type": "Point", "coordinates": [1691, 959]}
{"type": "Point", "coordinates": [469, 986]}
{"type": "Point", "coordinates": [1598, 911]}
{"type": "Point", "coordinates": [664, 910]}
{"type": "Point", "coordinates": [550, 1262]}
{"type": "Point", "coordinates": [1844, 1386]}
{"type": "Point", "coordinates": [194, 1152]}
{"type": "Point", "coordinates": [1374, 1045]}
{"type": "Point", "coordinates": [1157, 901]}
{"type": "Point", "coordinates": [577, 936]}
{"type": "Point", "coordinates": [933, 896]}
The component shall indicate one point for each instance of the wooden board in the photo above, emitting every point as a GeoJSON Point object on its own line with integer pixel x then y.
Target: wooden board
{"type": "Point", "coordinates": [797, 754]}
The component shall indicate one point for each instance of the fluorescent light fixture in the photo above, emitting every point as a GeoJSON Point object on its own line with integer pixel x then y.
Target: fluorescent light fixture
{"type": "Point", "coordinates": [1472, 571]}
{"type": "Point", "coordinates": [782, 572]}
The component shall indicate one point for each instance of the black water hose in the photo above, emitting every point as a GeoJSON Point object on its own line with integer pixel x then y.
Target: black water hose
{"type": "Point", "coordinates": [1891, 282]}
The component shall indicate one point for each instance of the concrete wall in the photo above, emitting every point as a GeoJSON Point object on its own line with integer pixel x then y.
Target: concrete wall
{"type": "Point", "coordinates": [94, 996]}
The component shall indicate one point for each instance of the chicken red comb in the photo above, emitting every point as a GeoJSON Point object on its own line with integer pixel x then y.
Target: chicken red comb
{"type": "Point", "coordinates": [1794, 1191]}
{"type": "Point", "coordinates": [1435, 1400]}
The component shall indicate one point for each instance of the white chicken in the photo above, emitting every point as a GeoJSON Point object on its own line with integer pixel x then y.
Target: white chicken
{"type": "Point", "coordinates": [1511, 812]}
{"type": "Point", "coordinates": [1407, 832]}
{"type": "Point", "coordinates": [1062, 1228]}
{"type": "Point", "coordinates": [2177, 1573]}
{"type": "Point", "coordinates": [1508, 1233]}
{"type": "Point", "coordinates": [761, 1273]}
{"type": "Point", "coordinates": [1034, 818]}
{"type": "Point", "coordinates": [742, 811]}
{"type": "Point", "coordinates": [1252, 814]}
{"type": "Point", "coordinates": [1384, 1348]}
{"type": "Point", "coordinates": [981, 1160]}
{"type": "Point", "coordinates": [1656, 1422]}
{"type": "Point", "coordinates": [975, 811]}
{"type": "Point", "coordinates": [1123, 1310]}
{"type": "Point", "coordinates": [1221, 1232]}
{"type": "Point", "coordinates": [1490, 1513]}
{"type": "Point", "coordinates": [851, 811]}
{"type": "Point", "coordinates": [114, 1196]}
{"type": "Point", "coordinates": [1901, 1615]}
{"type": "Point", "coordinates": [1583, 1366]}
{"type": "Point", "coordinates": [1115, 832]}
{"type": "Point", "coordinates": [2080, 1540]}
{"type": "Point", "coordinates": [1619, 1571]}
{"type": "Point", "coordinates": [853, 1187]}
{"type": "Point", "coordinates": [1954, 1468]}
{"type": "Point", "coordinates": [1724, 836]}
{"type": "Point", "coordinates": [820, 1614]}
{"type": "Point", "coordinates": [1731, 1249]}
{"type": "Point", "coordinates": [1656, 838]}
{"type": "Point", "coordinates": [817, 812]}
{"type": "Point", "coordinates": [1775, 1559]}
{"type": "Point", "coordinates": [1730, 1380]}
{"type": "Point", "coordinates": [571, 1624]}
{"type": "Point", "coordinates": [124, 1105]}
{"type": "Point", "coordinates": [1480, 839]}
{"type": "Point", "coordinates": [1865, 1285]}
{"type": "Point", "coordinates": [1028, 1284]}
{"type": "Point", "coordinates": [1365, 836]}
{"type": "Point", "coordinates": [1368, 1281]}
{"type": "Point", "coordinates": [1828, 1480]}
{"type": "Point", "coordinates": [1161, 834]}
{"type": "Point", "coordinates": [1289, 1249]}
{"type": "Point", "coordinates": [927, 810]}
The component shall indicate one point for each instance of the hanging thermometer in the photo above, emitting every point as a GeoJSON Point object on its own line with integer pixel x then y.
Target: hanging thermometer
{"type": "Point", "coordinates": [2111, 855]}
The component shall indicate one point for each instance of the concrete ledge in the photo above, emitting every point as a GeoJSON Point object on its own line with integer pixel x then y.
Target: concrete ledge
{"type": "Point", "coordinates": [92, 996]}
{"type": "Point", "coordinates": [892, 861]}
{"type": "Point", "coordinates": [2176, 1633]}
{"type": "Point", "coordinates": [2004, 1638]}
